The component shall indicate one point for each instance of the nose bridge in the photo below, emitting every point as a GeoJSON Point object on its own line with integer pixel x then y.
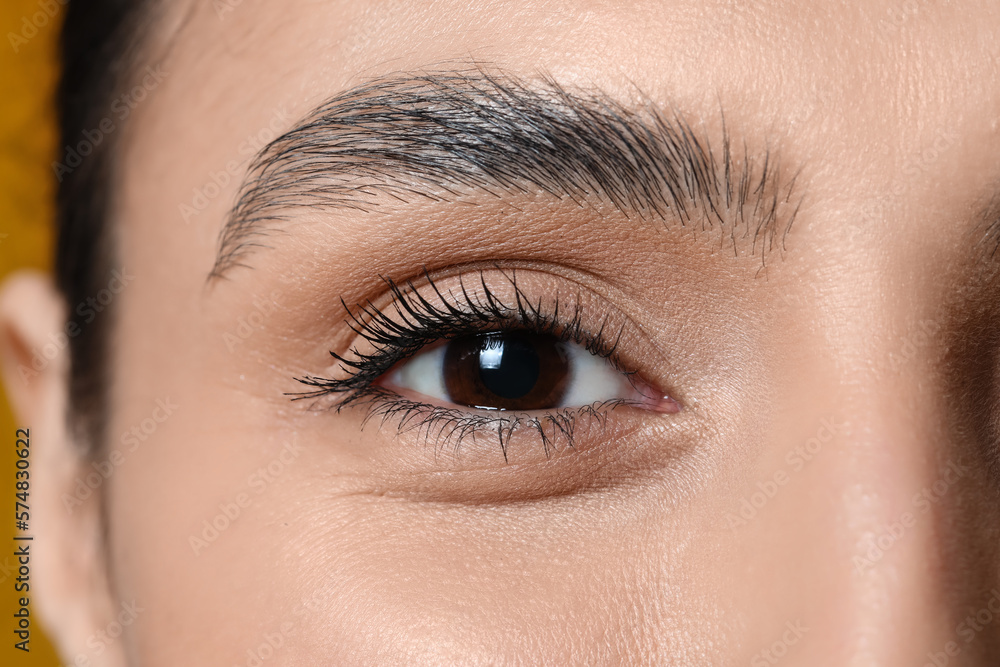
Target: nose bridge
{"type": "Point", "coordinates": [898, 480]}
{"type": "Point", "coordinates": [893, 495]}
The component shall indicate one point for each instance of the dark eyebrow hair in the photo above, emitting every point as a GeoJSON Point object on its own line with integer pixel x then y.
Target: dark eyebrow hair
{"type": "Point", "coordinates": [437, 135]}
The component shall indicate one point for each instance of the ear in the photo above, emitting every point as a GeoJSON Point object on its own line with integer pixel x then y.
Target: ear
{"type": "Point", "coordinates": [68, 586]}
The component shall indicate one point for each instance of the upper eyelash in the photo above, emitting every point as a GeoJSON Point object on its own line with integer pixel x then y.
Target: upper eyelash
{"type": "Point", "coordinates": [419, 322]}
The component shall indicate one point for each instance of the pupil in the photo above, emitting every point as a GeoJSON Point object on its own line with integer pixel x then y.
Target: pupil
{"type": "Point", "coordinates": [508, 366]}
{"type": "Point", "coordinates": [509, 370]}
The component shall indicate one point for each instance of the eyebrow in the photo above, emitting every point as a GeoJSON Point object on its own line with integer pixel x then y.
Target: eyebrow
{"type": "Point", "coordinates": [443, 135]}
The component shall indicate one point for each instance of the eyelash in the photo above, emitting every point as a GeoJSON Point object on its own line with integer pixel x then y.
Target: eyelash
{"type": "Point", "coordinates": [418, 323]}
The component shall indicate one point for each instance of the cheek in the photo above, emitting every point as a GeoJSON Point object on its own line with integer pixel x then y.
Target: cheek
{"type": "Point", "coordinates": [216, 516]}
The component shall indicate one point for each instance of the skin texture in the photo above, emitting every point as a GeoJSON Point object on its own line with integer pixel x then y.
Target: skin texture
{"type": "Point", "coordinates": [787, 513]}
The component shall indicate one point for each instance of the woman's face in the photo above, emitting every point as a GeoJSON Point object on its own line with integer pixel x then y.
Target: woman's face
{"type": "Point", "coordinates": [760, 427]}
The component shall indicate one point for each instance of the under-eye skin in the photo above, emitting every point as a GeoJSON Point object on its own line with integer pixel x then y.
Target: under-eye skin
{"type": "Point", "coordinates": [468, 363]}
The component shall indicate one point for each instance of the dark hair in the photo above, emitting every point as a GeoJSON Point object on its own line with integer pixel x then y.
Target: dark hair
{"type": "Point", "coordinates": [99, 50]}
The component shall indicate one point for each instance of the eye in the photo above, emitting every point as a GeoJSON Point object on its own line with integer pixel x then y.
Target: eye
{"type": "Point", "coordinates": [512, 370]}
{"type": "Point", "coordinates": [455, 361]}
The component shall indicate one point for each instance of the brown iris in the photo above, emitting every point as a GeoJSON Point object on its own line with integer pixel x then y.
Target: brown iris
{"type": "Point", "coordinates": [506, 371]}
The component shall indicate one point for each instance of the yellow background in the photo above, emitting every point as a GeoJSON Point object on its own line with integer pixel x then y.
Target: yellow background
{"type": "Point", "coordinates": [27, 145]}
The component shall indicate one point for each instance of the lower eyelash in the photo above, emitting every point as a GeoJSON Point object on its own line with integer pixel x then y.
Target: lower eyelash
{"type": "Point", "coordinates": [444, 425]}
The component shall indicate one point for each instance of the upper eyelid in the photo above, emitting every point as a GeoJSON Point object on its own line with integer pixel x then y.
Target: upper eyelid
{"type": "Point", "coordinates": [386, 334]}
{"type": "Point", "coordinates": [477, 314]}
